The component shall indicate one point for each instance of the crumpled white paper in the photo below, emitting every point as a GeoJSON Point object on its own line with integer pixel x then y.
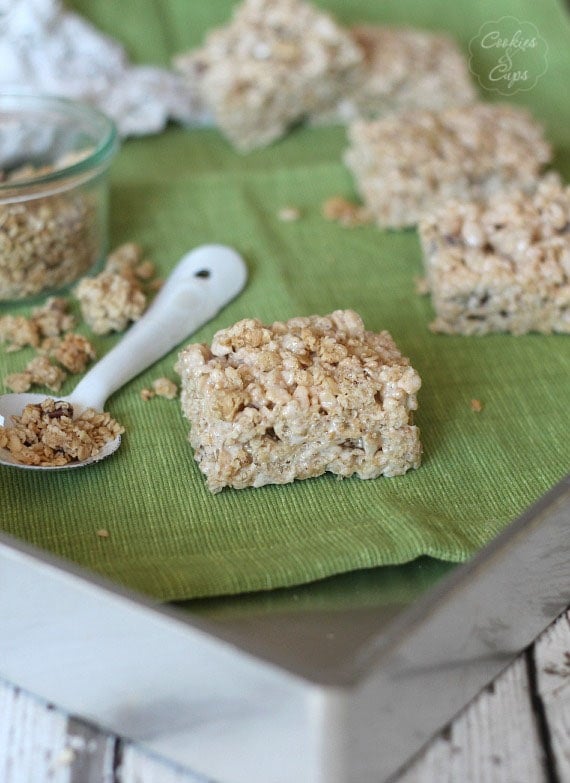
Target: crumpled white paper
{"type": "Point", "coordinates": [45, 48]}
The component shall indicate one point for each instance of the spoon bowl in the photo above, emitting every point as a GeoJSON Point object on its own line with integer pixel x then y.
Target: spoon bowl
{"type": "Point", "coordinates": [201, 284]}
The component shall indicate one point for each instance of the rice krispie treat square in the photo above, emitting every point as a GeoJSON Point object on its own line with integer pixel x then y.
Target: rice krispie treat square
{"type": "Point", "coordinates": [407, 164]}
{"type": "Point", "coordinates": [273, 63]}
{"type": "Point", "coordinates": [502, 265]}
{"type": "Point", "coordinates": [403, 69]}
{"type": "Point", "coordinates": [270, 404]}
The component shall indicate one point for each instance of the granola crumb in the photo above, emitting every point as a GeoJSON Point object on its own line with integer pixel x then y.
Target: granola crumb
{"type": "Point", "coordinates": [476, 406]}
{"type": "Point", "coordinates": [289, 214]}
{"type": "Point", "coordinates": [346, 213]}
{"type": "Point", "coordinates": [102, 533]}
{"type": "Point", "coordinates": [110, 301]}
{"type": "Point", "coordinates": [74, 352]}
{"type": "Point", "coordinates": [48, 434]}
{"type": "Point", "coordinates": [147, 394]}
{"type": "Point", "coordinates": [421, 285]}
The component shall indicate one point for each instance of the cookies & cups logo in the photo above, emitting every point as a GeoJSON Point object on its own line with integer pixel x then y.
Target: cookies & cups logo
{"type": "Point", "coordinates": [508, 55]}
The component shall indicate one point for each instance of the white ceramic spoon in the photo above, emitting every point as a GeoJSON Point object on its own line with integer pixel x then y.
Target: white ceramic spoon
{"type": "Point", "coordinates": [201, 284]}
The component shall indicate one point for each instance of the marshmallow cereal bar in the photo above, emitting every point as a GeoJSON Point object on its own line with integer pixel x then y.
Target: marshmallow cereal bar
{"type": "Point", "coordinates": [270, 404]}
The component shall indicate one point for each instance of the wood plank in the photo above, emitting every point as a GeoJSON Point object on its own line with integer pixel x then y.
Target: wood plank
{"type": "Point", "coordinates": [495, 739]}
{"type": "Point", "coordinates": [39, 743]}
{"type": "Point", "coordinates": [552, 662]}
{"type": "Point", "coordinates": [33, 739]}
{"type": "Point", "coordinates": [93, 753]}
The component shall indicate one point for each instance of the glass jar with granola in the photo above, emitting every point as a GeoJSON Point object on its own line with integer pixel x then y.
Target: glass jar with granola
{"type": "Point", "coordinates": [54, 161]}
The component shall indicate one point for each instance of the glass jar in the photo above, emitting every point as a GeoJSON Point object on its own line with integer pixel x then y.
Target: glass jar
{"type": "Point", "coordinates": [54, 161]}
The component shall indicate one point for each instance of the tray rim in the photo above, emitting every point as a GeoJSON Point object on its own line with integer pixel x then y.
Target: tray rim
{"type": "Point", "coordinates": [329, 709]}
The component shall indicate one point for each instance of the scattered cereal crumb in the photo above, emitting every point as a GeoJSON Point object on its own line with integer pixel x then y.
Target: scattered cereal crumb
{"type": "Point", "coordinates": [109, 301]}
{"type": "Point", "coordinates": [48, 434]}
{"type": "Point", "coordinates": [477, 406]}
{"type": "Point", "coordinates": [103, 533]}
{"type": "Point", "coordinates": [421, 285]}
{"type": "Point", "coordinates": [161, 387]}
{"type": "Point", "coordinates": [164, 387]}
{"type": "Point", "coordinates": [74, 352]}
{"type": "Point", "coordinates": [346, 213]}
{"type": "Point", "coordinates": [289, 214]}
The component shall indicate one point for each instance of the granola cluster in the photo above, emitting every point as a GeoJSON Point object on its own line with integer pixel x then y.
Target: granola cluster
{"type": "Point", "coordinates": [49, 320]}
{"type": "Point", "coordinates": [39, 371]}
{"type": "Point", "coordinates": [46, 241]}
{"type": "Point", "coordinates": [46, 330]}
{"type": "Point", "coordinates": [408, 164]}
{"type": "Point", "coordinates": [114, 298]}
{"type": "Point", "coordinates": [48, 434]}
{"type": "Point", "coordinates": [502, 264]}
{"type": "Point", "coordinates": [270, 404]}
{"type": "Point", "coordinates": [109, 301]}
{"type": "Point", "coordinates": [402, 68]}
{"type": "Point", "coordinates": [272, 64]}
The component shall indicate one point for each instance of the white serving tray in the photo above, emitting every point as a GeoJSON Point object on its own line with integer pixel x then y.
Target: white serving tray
{"type": "Point", "coordinates": [258, 700]}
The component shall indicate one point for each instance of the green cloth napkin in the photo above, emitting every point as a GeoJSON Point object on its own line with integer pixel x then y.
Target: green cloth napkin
{"type": "Point", "coordinates": [168, 536]}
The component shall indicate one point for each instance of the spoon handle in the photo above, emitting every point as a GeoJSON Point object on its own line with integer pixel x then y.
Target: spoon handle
{"type": "Point", "coordinates": [201, 284]}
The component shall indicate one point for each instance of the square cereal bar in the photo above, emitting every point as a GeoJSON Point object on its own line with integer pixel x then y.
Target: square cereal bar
{"type": "Point", "coordinates": [502, 265]}
{"type": "Point", "coordinates": [270, 404]}
{"type": "Point", "coordinates": [274, 62]}
{"type": "Point", "coordinates": [407, 164]}
{"type": "Point", "coordinates": [403, 69]}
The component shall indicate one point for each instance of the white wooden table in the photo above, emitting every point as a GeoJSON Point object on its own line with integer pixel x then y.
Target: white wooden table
{"type": "Point", "coordinates": [516, 731]}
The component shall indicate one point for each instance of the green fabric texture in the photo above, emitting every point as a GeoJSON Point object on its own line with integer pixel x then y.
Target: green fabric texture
{"type": "Point", "coordinates": [169, 537]}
